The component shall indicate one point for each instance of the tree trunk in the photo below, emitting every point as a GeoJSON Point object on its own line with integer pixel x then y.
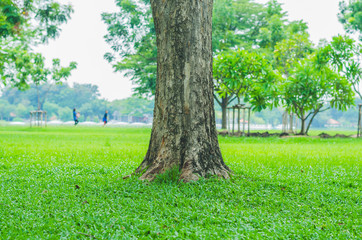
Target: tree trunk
{"type": "Point", "coordinates": [302, 130]}
{"type": "Point", "coordinates": [184, 132]}
{"type": "Point", "coordinates": [311, 120]}
{"type": "Point", "coordinates": [238, 116]}
{"type": "Point", "coordinates": [224, 105]}
{"type": "Point", "coordinates": [38, 96]}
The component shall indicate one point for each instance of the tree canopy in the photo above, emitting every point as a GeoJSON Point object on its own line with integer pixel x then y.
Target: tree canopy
{"type": "Point", "coordinates": [351, 16]}
{"type": "Point", "coordinates": [34, 21]}
{"type": "Point", "coordinates": [248, 76]}
{"type": "Point", "coordinates": [131, 35]}
{"type": "Point", "coordinates": [23, 25]}
{"type": "Point", "coordinates": [344, 55]}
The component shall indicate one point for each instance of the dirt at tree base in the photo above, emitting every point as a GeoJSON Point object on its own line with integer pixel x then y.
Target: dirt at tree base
{"type": "Point", "coordinates": [282, 135]}
{"type": "Point", "coordinates": [326, 135]}
{"type": "Point", "coordinates": [253, 134]}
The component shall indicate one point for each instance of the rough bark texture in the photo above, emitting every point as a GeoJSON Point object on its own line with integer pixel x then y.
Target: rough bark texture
{"type": "Point", "coordinates": [184, 132]}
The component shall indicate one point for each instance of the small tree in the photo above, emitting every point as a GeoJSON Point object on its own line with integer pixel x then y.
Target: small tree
{"type": "Point", "coordinates": [311, 86]}
{"type": "Point", "coordinates": [246, 75]}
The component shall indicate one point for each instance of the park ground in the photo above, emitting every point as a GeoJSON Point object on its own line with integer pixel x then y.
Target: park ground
{"type": "Point", "coordinates": [67, 183]}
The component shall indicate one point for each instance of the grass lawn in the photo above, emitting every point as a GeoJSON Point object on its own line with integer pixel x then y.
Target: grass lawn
{"type": "Point", "coordinates": [66, 183]}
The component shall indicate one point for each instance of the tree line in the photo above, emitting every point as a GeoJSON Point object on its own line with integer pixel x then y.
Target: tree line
{"type": "Point", "coordinates": [59, 100]}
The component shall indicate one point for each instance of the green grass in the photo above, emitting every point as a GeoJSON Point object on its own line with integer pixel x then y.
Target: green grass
{"type": "Point", "coordinates": [66, 183]}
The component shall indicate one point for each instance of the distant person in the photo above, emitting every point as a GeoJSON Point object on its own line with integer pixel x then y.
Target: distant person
{"type": "Point", "coordinates": [75, 117]}
{"type": "Point", "coordinates": [105, 118]}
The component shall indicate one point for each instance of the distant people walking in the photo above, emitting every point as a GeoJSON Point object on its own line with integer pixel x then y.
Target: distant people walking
{"type": "Point", "coordinates": [105, 118]}
{"type": "Point", "coordinates": [75, 117]}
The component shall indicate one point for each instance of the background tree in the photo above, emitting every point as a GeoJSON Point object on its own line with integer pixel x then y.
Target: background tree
{"type": "Point", "coordinates": [311, 86]}
{"type": "Point", "coordinates": [34, 70]}
{"type": "Point", "coordinates": [345, 57]}
{"type": "Point", "coordinates": [61, 99]}
{"type": "Point", "coordinates": [246, 75]}
{"type": "Point", "coordinates": [288, 52]}
{"type": "Point", "coordinates": [274, 29]}
{"type": "Point", "coordinates": [351, 15]}
{"type": "Point", "coordinates": [24, 24]}
{"type": "Point", "coordinates": [35, 20]}
{"type": "Point", "coordinates": [5, 110]}
{"type": "Point", "coordinates": [131, 35]}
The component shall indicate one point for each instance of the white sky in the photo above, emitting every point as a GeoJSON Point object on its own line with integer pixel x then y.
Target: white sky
{"type": "Point", "coordinates": [82, 39]}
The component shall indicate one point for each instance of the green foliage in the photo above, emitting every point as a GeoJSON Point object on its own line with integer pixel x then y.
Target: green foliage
{"type": "Point", "coordinates": [236, 23]}
{"type": "Point", "coordinates": [64, 182]}
{"type": "Point", "coordinates": [289, 52]}
{"type": "Point", "coordinates": [10, 18]}
{"type": "Point", "coordinates": [277, 27]}
{"type": "Point", "coordinates": [247, 75]}
{"type": "Point", "coordinates": [23, 25]}
{"type": "Point", "coordinates": [35, 20]}
{"type": "Point", "coordinates": [22, 68]}
{"type": "Point", "coordinates": [312, 85]}
{"type": "Point", "coordinates": [351, 15]}
{"type": "Point", "coordinates": [131, 35]}
{"type": "Point", "coordinates": [344, 55]}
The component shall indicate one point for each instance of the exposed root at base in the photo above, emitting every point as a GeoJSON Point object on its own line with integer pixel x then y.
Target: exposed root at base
{"type": "Point", "coordinates": [186, 175]}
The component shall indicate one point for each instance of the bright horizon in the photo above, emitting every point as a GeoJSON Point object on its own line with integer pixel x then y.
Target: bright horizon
{"type": "Point", "coordinates": [81, 40]}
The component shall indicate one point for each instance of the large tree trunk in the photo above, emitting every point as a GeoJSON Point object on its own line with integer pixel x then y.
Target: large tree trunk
{"type": "Point", "coordinates": [184, 130]}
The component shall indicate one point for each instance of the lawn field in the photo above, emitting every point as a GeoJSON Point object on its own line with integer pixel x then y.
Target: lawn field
{"type": "Point", "coordinates": [66, 183]}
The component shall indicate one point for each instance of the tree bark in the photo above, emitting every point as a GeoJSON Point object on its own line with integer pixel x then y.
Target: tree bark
{"type": "Point", "coordinates": [184, 132]}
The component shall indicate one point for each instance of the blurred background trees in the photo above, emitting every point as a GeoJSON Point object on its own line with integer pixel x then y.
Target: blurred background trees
{"type": "Point", "coordinates": [61, 99]}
